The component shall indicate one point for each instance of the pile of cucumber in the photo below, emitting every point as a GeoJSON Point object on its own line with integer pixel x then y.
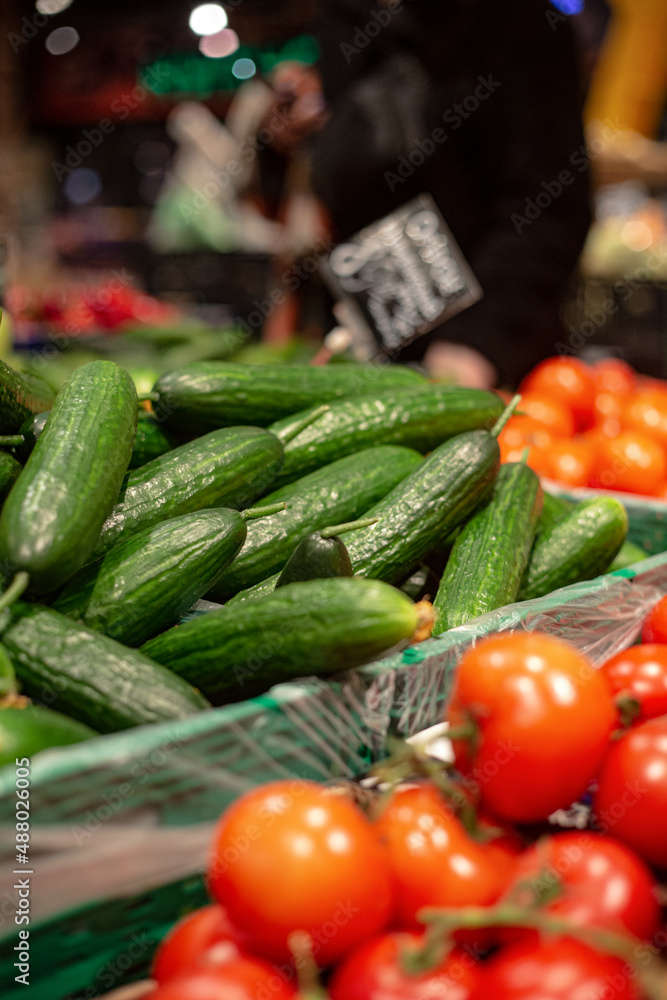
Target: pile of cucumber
{"type": "Point", "coordinates": [237, 488]}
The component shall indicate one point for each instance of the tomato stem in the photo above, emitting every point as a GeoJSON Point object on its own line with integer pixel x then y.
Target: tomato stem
{"type": "Point", "coordinates": [628, 709]}
{"type": "Point", "coordinates": [301, 946]}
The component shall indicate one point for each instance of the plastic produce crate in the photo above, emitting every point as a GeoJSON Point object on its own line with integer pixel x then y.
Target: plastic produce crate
{"type": "Point", "coordinates": [121, 824]}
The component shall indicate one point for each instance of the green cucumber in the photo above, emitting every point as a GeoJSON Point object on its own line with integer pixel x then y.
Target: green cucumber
{"type": "Point", "coordinates": [8, 684]}
{"type": "Point", "coordinates": [554, 510]}
{"type": "Point", "coordinates": [51, 520]}
{"type": "Point", "coordinates": [150, 442]}
{"type": "Point", "coordinates": [26, 730]}
{"type": "Point", "coordinates": [339, 492]}
{"type": "Point", "coordinates": [226, 468]}
{"type": "Point", "coordinates": [321, 627]}
{"type": "Point", "coordinates": [321, 555]}
{"type": "Point", "coordinates": [31, 430]}
{"type": "Point", "coordinates": [579, 547]}
{"type": "Point", "coordinates": [490, 554]}
{"type": "Point", "coordinates": [205, 395]}
{"type": "Point", "coordinates": [627, 555]}
{"type": "Point", "coordinates": [20, 396]}
{"type": "Point", "coordinates": [10, 470]}
{"type": "Point", "coordinates": [426, 506]}
{"type": "Point", "coordinates": [147, 582]}
{"type": "Point", "coordinates": [420, 417]}
{"type": "Point", "coordinates": [88, 676]}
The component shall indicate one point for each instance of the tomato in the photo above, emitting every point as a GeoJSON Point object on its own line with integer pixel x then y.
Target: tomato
{"type": "Point", "coordinates": [655, 626]}
{"type": "Point", "coordinates": [641, 673]}
{"type": "Point", "coordinates": [523, 432]}
{"type": "Point", "coordinates": [608, 409]}
{"type": "Point", "coordinates": [291, 856]}
{"type": "Point", "coordinates": [631, 462]}
{"type": "Point", "coordinates": [434, 861]}
{"type": "Point", "coordinates": [185, 946]}
{"type": "Point", "coordinates": [603, 884]}
{"type": "Point", "coordinates": [554, 969]}
{"type": "Point", "coordinates": [631, 800]}
{"type": "Point", "coordinates": [544, 717]}
{"type": "Point", "coordinates": [569, 381]}
{"type": "Point", "coordinates": [647, 412]}
{"type": "Point", "coordinates": [571, 462]}
{"type": "Point", "coordinates": [374, 972]}
{"type": "Point", "coordinates": [614, 376]}
{"type": "Point", "coordinates": [548, 411]}
{"type": "Point", "coordinates": [241, 978]}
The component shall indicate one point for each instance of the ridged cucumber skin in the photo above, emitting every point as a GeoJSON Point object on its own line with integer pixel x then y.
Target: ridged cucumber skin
{"type": "Point", "coordinates": [316, 558]}
{"type": "Point", "coordinates": [260, 589]}
{"type": "Point", "coordinates": [226, 468]}
{"type": "Point", "coordinates": [554, 510]}
{"type": "Point", "coordinates": [318, 627]}
{"type": "Point", "coordinates": [627, 555]}
{"type": "Point", "coordinates": [441, 494]}
{"type": "Point", "coordinates": [577, 548]}
{"type": "Point", "coordinates": [489, 556]}
{"type": "Point", "coordinates": [88, 676]}
{"type": "Point", "coordinates": [26, 731]}
{"type": "Point", "coordinates": [209, 394]}
{"type": "Point", "coordinates": [147, 582]}
{"type": "Point", "coordinates": [20, 396]}
{"type": "Point", "coordinates": [420, 417]}
{"type": "Point", "coordinates": [51, 521]}
{"type": "Point", "coordinates": [342, 491]}
{"type": "Point", "coordinates": [150, 442]}
{"type": "Point", "coordinates": [10, 470]}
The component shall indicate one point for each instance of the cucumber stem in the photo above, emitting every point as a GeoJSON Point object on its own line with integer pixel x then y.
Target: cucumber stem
{"type": "Point", "coordinates": [301, 425]}
{"type": "Point", "coordinates": [524, 456]}
{"type": "Point", "coordinates": [254, 512]}
{"type": "Point", "coordinates": [340, 529]}
{"type": "Point", "coordinates": [11, 440]}
{"type": "Point", "coordinates": [505, 415]}
{"type": "Point", "coordinates": [8, 686]}
{"type": "Point", "coordinates": [14, 590]}
{"type": "Point", "coordinates": [149, 397]}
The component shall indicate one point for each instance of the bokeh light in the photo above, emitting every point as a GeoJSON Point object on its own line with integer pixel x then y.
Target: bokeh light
{"type": "Point", "coordinates": [243, 69]}
{"type": "Point", "coordinates": [52, 6]}
{"type": "Point", "coordinates": [223, 43]}
{"type": "Point", "coordinates": [62, 40]}
{"type": "Point", "coordinates": [208, 19]}
{"type": "Point", "coordinates": [82, 186]}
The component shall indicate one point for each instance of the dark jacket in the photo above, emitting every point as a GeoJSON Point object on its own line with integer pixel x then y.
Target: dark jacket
{"type": "Point", "coordinates": [478, 103]}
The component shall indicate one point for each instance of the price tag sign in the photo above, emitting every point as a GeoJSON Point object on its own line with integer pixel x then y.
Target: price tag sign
{"type": "Point", "coordinates": [401, 277]}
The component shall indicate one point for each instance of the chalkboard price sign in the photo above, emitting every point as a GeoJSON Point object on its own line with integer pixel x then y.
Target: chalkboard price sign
{"type": "Point", "coordinates": [401, 276]}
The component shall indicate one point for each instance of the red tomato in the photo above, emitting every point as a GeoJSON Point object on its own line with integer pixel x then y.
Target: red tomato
{"type": "Point", "coordinates": [608, 409]}
{"type": "Point", "coordinates": [655, 626]}
{"type": "Point", "coordinates": [571, 462]}
{"type": "Point", "coordinates": [544, 717]}
{"type": "Point", "coordinates": [290, 856]}
{"type": "Point", "coordinates": [631, 462]}
{"type": "Point", "coordinates": [434, 861]}
{"type": "Point", "coordinates": [647, 412]}
{"type": "Point", "coordinates": [549, 412]}
{"type": "Point", "coordinates": [614, 376]}
{"type": "Point", "coordinates": [631, 800]}
{"type": "Point", "coordinates": [374, 972]}
{"type": "Point", "coordinates": [568, 380]}
{"type": "Point", "coordinates": [641, 673]}
{"type": "Point", "coordinates": [554, 969]}
{"type": "Point", "coordinates": [520, 433]}
{"type": "Point", "coordinates": [242, 978]}
{"type": "Point", "coordinates": [603, 884]}
{"type": "Point", "coordinates": [187, 943]}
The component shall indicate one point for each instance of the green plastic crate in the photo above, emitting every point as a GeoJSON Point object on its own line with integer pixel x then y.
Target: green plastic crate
{"type": "Point", "coordinates": [647, 517]}
{"type": "Point", "coordinates": [121, 824]}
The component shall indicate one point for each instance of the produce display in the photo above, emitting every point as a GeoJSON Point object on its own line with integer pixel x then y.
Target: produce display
{"type": "Point", "coordinates": [306, 530]}
{"type": "Point", "coordinates": [456, 880]}
{"type": "Point", "coordinates": [600, 425]}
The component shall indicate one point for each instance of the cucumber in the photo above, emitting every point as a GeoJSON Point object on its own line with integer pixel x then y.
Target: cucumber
{"type": "Point", "coordinates": [89, 676]}
{"type": "Point", "coordinates": [420, 417]}
{"type": "Point", "coordinates": [149, 443]}
{"type": "Point", "coordinates": [579, 547]}
{"type": "Point", "coordinates": [554, 510]}
{"type": "Point", "coordinates": [30, 430]}
{"type": "Point", "coordinates": [492, 550]}
{"type": "Point", "coordinates": [51, 521]}
{"type": "Point", "coordinates": [20, 396]}
{"type": "Point", "coordinates": [10, 470]}
{"type": "Point", "coordinates": [226, 468]}
{"type": "Point", "coordinates": [340, 491]}
{"type": "Point", "coordinates": [627, 555]}
{"type": "Point", "coordinates": [25, 731]}
{"type": "Point", "coordinates": [205, 395]}
{"type": "Point", "coordinates": [147, 582]}
{"type": "Point", "coordinates": [322, 626]}
{"type": "Point", "coordinates": [426, 506]}
{"type": "Point", "coordinates": [320, 555]}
